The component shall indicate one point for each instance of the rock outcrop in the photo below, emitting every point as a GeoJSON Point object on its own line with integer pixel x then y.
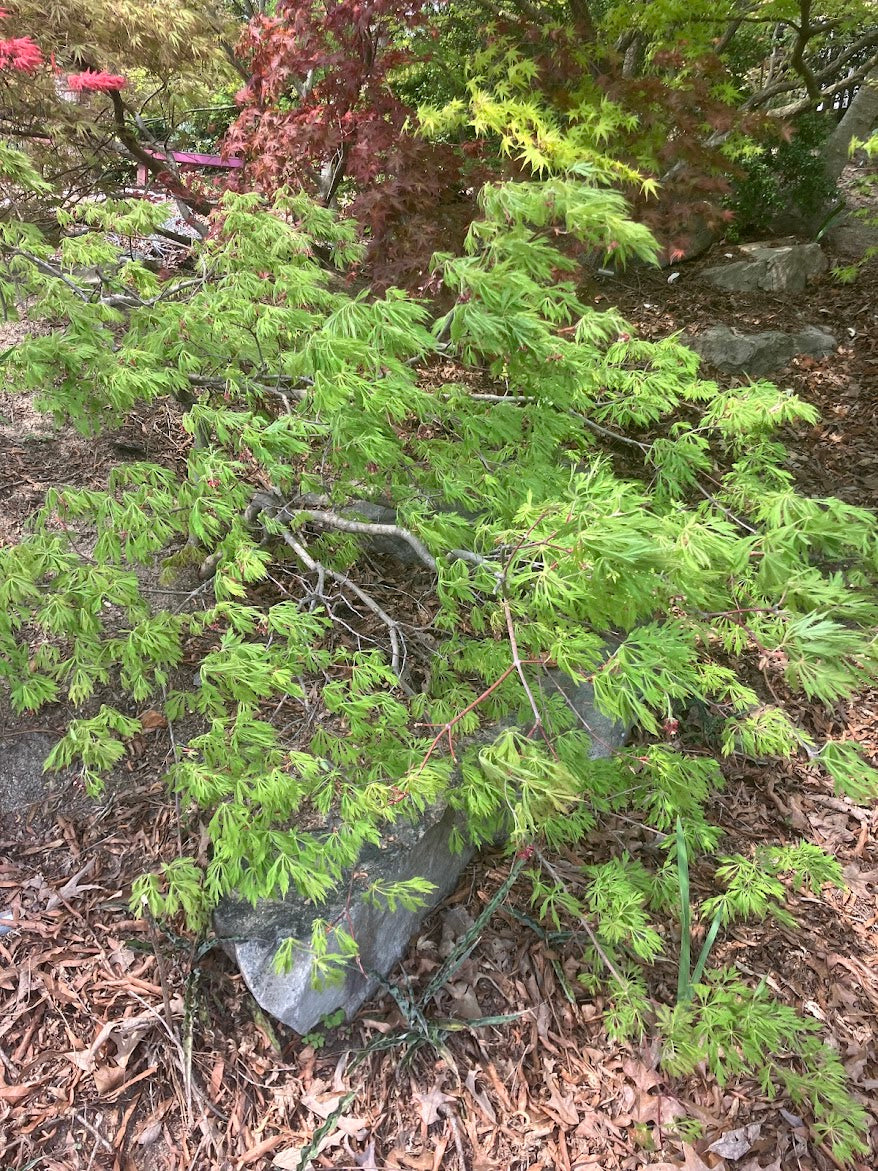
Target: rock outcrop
{"type": "Point", "coordinates": [769, 269]}
{"type": "Point", "coordinates": [423, 848]}
{"type": "Point", "coordinates": [758, 354]}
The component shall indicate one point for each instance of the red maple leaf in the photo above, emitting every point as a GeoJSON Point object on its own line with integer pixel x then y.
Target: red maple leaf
{"type": "Point", "coordinates": [21, 54]}
{"type": "Point", "coordinates": [97, 81]}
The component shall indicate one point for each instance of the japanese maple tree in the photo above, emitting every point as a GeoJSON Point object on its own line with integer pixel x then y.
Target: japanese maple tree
{"type": "Point", "coordinates": [84, 86]}
{"type": "Point", "coordinates": [320, 112]}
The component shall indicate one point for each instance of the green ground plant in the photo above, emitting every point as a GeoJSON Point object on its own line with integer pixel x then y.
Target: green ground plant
{"type": "Point", "coordinates": [778, 179]}
{"type": "Point", "coordinates": [846, 274]}
{"type": "Point", "coordinates": [570, 498]}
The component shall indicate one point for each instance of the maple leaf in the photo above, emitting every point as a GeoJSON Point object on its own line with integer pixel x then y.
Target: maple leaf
{"type": "Point", "coordinates": [430, 1105]}
{"type": "Point", "coordinates": [97, 81]}
{"type": "Point", "coordinates": [21, 54]}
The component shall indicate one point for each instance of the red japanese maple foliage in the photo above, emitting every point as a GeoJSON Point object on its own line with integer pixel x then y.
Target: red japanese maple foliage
{"type": "Point", "coordinates": [19, 53]}
{"type": "Point", "coordinates": [24, 55]}
{"type": "Point", "coordinates": [319, 113]}
{"type": "Point", "coordinates": [95, 81]}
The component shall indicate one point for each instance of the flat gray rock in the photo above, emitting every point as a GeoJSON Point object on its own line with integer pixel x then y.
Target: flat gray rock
{"type": "Point", "coordinates": [762, 353]}
{"type": "Point", "coordinates": [22, 780]}
{"type": "Point", "coordinates": [252, 934]}
{"type": "Point", "coordinates": [785, 269]}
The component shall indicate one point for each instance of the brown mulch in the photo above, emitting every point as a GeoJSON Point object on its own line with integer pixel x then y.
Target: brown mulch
{"type": "Point", "coordinates": [37, 453]}
{"type": "Point", "coordinates": [838, 456]}
{"type": "Point", "coordinates": [123, 1046]}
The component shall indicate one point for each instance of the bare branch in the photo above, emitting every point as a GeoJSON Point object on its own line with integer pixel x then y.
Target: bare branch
{"type": "Point", "coordinates": [394, 630]}
{"type": "Point", "coordinates": [821, 77]}
{"type": "Point", "coordinates": [333, 521]}
{"type": "Point", "coordinates": [158, 165]}
{"type": "Point", "coordinates": [797, 57]}
{"type": "Point", "coordinates": [519, 668]}
{"type": "Point", "coordinates": [49, 270]}
{"type": "Point", "coordinates": [727, 37]}
{"type": "Point", "coordinates": [855, 77]}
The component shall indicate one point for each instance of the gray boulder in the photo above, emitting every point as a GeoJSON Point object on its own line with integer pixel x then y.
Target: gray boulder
{"type": "Point", "coordinates": [252, 934]}
{"type": "Point", "coordinates": [758, 354]}
{"type": "Point", "coordinates": [785, 269]}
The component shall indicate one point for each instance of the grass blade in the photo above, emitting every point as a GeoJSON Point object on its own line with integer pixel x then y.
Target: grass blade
{"type": "Point", "coordinates": [705, 951]}
{"type": "Point", "coordinates": [683, 982]}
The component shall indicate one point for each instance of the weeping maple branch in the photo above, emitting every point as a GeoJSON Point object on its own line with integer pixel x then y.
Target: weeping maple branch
{"type": "Point", "coordinates": [394, 630]}
{"type": "Point", "coordinates": [187, 201]}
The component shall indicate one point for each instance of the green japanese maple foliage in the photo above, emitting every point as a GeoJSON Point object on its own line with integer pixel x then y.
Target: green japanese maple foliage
{"type": "Point", "coordinates": [566, 496]}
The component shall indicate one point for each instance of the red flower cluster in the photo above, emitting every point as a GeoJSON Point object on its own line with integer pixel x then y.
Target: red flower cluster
{"type": "Point", "coordinates": [98, 82]}
{"type": "Point", "coordinates": [20, 53]}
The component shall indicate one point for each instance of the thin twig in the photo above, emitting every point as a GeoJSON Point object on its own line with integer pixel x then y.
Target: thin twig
{"type": "Point", "coordinates": [448, 1111]}
{"type": "Point", "coordinates": [159, 959]}
{"type": "Point", "coordinates": [612, 435]}
{"type": "Point", "coordinates": [447, 728]}
{"type": "Point", "coordinates": [515, 399]}
{"type": "Point", "coordinates": [397, 642]}
{"type": "Point", "coordinates": [608, 963]}
{"type": "Point", "coordinates": [92, 1131]}
{"type": "Point", "coordinates": [727, 511]}
{"type": "Point", "coordinates": [592, 734]}
{"type": "Point", "coordinates": [517, 664]}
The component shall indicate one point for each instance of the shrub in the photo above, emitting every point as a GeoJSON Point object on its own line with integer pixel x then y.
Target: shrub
{"type": "Point", "coordinates": [782, 180]}
{"type": "Point", "coordinates": [549, 480]}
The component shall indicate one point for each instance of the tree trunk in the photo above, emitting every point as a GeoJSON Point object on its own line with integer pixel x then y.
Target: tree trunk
{"type": "Point", "coordinates": [857, 122]}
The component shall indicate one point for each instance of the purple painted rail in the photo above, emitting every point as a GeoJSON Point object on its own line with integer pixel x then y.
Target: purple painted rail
{"type": "Point", "coordinates": [185, 159]}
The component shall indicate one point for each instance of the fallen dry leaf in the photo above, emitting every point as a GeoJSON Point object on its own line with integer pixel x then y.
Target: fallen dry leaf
{"type": "Point", "coordinates": [366, 1161]}
{"type": "Point", "coordinates": [72, 888]}
{"type": "Point", "coordinates": [289, 1160]}
{"type": "Point", "coordinates": [735, 1144]}
{"type": "Point", "coordinates": [322, 1104]}
{"type": "Point", "coordinates": [149, 1134]}
{"type": "Point", "coordinates": [108, 1078]}
{"type": "Point", "coordinates": [125, 1035]}
{"type": "Point", "coordinates": [694, 1161]}
{"type": "Point", "coordinates": [658, 1108]}
{"type": "Point", "coordinates": [151, 720]}
{"type": "Point", "coordinates": [642, 1075]}
{"type": "Point", "coordinates": [560, 1104]}
{"type": "Point", "coordinates": [481, 1099]}
{"type": "Point", "coordinates": [15, 1094]}
{"type": "Point", "coordinates": [262, 1148]}
{"type": "Point", "coordinates": [430, 1104]}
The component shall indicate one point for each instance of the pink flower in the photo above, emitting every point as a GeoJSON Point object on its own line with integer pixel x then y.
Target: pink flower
{"type": "Point", "coordinates": [20, 53]}
{"type": "Point", "coordinates": [97, 81]}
